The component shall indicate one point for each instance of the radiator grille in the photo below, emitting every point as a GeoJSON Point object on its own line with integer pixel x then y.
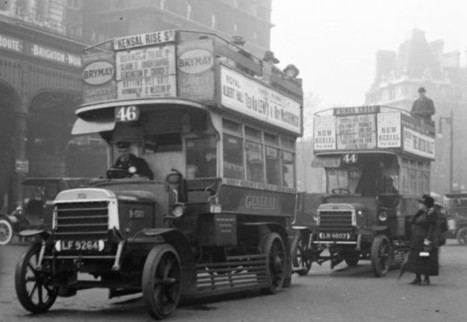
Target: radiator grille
{"type": "Point", "coordinates": [82, 220]}
{"type": "Point", "coordinates": [335, 221]}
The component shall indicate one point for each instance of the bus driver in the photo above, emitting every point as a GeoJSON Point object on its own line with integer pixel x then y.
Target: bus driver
{"type": "Point", "coordinates": [127, 161]}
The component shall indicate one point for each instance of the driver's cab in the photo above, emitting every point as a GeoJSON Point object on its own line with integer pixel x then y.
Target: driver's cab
{"type": "Point", "coordinates": [363, 174]}
{"type": "Point", "coordinates": [177, 138]}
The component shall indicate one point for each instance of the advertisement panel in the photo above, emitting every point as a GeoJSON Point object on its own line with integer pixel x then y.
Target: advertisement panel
{"type": "Point", "coordinates": [324, 133]}
{"type": "Point", "coordinates": [195, 70]}
{"type": "Point", "coordinates": [389, 130]}
{"type": "Point", "coordinates": [251, 98]}
{"type": "Point", "coordinates": [98, 77]}
{"type": "Point", "coordinates": [356, 132]}
{"type": "Point", "coordinates": [146, 72]}
{"type": "Point", "coordinates": [419, 144]}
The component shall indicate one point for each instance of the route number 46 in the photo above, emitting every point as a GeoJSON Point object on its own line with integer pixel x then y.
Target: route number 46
{"type": "Point", "coordinates": [127, 113]}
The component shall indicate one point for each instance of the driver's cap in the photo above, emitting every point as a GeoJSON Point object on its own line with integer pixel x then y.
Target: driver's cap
{"type": "Point", "coordinates": [123, 144]}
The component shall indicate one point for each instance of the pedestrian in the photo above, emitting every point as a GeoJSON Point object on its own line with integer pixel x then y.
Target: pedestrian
{"type": "Point", "coordinates": [131, 164]}
{"type": "Point", "coordinates": [423, 106]}
{"type": "Point", "coordinates": [423, 253]}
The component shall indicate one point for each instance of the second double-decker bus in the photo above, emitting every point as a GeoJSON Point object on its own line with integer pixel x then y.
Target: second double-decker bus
{"type": "Point", "coordinates": [377, 164]}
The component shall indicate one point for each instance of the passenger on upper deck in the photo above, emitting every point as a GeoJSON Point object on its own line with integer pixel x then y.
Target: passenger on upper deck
{"type": "Point", "coordinates": [423, 106]}
{"type": "Point", "coordinates": [136, 167]}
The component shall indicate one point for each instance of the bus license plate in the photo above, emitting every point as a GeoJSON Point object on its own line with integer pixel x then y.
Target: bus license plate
{"type": "Point", "coordinates": [82, 245]}
{"type": "Point", "coordinates": [340, 236]}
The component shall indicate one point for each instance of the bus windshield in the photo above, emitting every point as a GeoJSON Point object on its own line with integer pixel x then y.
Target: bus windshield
{"type": "Point", "coordinates": [368, 176]}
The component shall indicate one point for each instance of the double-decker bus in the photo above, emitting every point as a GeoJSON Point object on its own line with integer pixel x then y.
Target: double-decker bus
{"type": "Point", "coordinates": [377, 164]}
{"type": "Point", "coordinates": [218, 135]}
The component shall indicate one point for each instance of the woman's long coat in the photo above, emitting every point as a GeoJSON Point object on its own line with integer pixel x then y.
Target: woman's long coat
{"type": "Point", "coordinates": [424, 226]}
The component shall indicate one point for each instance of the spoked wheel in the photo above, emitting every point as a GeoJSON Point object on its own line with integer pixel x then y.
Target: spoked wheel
{"type": "Point", "coordinates": [162, 281]}
{"type": "Point", "coordinates": [6, 232]}
{"type": "Point", "coordinates": [274, 250]}
{"type": "Point", "coordinates": [381, 255]}
{"type": "Point", "coordinates": [33, 287]}
{"type": "Point", "coordinates": [300, 255]}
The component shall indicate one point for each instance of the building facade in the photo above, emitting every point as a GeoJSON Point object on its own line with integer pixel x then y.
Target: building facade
{"type": "Point", "coordinates": [41, 42]}
{"type": "Point", "coordinates": [419, 63]}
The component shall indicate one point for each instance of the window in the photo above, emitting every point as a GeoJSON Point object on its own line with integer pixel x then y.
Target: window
{"type": "Point", "coordinates": [201, 157]}
{"type": "Point", "coordinates": [254, 161]}
{"type": "Point", "coordinates": [213, 22]}
{"type": "Point", "coordinates": [166, 142]}
{"type": "Point", "coordinates": [188, 11]}
{"type": "Point", "coordinates": [258, 156]}
{"type": "Point", "coordinates": [233, 157]}
{"type": "Point", "coordinates": [336, 179]}
{"type": "Point", "coordinates": [273, 170]}
{"type": "Point", "coordinates": [288, 169]}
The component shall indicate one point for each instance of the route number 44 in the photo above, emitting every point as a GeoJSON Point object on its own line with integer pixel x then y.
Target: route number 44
{"type": "Point", "coordinates": [127, 113]}
{"type": "Point", "coordinates": [350, 158]}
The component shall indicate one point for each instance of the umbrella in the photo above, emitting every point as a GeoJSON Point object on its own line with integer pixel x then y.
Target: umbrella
{"type": "Point", "coordinates": [403, 266]}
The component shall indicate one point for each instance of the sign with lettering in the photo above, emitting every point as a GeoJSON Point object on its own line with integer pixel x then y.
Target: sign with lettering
{"type": "Point", "coordinates": [195, 75]}
{"type": "Point", "coordinates": [356, 132]}
{"type": "Point", "coordinates": [55, 55]}
{"type": "Point", "coordinates": [99, 77]}
{"type": "Point", "coordinates": [251, 98]}
{"type": "Point", "coordinates": [146, 72]}
{"type": "Point", "coordinates": [98, 72]}
{"type": "Point", "coordinates": [22, 166]}
{"type": "Point", "coordinates": [389, 130]}
{"type": "Point", "coordinates": [324, 133]}
{"type": "Point", "coordinates": [11, 43]}
{"type": "Point", "coordinates": [367, 109]}
{"type": "Point", "coordinates": [127, 113]}
{"type": "Point", "coordinates": [419, 144]}
{"type": "Point", "coordinates": [146, 39]}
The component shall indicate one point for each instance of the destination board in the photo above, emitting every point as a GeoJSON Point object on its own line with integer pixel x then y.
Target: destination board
{"type": "Point", "coordinates": [146, 72]}
{"type": "Point", "coordinates": [356, 132]}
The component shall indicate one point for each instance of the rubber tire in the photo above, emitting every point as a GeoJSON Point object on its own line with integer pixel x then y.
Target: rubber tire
{"type": "Point", "coordinates": [381, 243]}
{"type": "Point", "coordinates": [155, 294]}
{"type": "Point", "coordinates": [461, 236]}
{"type": "Point", "coordinates": [299, 255]}
{"type": "Point", "coordinates": [6, 232]}
{"type": "Point", "coordinates": [274, 249]}
{"type": "Point", "coordinates": [22, 278]}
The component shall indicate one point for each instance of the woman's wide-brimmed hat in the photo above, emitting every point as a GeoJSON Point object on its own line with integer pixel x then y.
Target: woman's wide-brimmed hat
{"type": "Point", "coordinates": [427, 200]}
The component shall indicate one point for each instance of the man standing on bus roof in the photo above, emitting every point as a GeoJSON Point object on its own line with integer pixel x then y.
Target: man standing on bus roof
{"type": "Point", "coordinates": [423, 106]}
{"type": "Point", "coordinates": [129, 162]}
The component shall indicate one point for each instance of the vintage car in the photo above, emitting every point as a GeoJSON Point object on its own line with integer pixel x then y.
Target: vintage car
{"type": "Point", "coordinates": [456, 207]}
{"type": "Point", "coordinates": [35, 212]}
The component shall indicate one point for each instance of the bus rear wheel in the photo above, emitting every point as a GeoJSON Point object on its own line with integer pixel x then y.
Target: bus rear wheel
{"type": "Point", "coordinates": [274, 249]}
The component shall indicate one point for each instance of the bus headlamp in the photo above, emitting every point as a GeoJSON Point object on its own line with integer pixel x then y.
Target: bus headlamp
{"type": "Point", "coordinates": [178, 210]}
{"type": "Point", "coordinates": [382, 216]}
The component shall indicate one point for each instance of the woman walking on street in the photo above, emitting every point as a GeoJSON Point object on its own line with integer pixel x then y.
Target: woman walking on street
{"type": "Point", "coordinates": [423, 254]}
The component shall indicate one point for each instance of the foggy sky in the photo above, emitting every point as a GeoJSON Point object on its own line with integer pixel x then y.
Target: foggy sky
{"type": "Point", "coordinates": [334, 42]}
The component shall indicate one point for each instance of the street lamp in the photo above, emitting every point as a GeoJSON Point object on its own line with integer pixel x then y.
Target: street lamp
{"type": "Point", "coordinates": [449, 120]}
